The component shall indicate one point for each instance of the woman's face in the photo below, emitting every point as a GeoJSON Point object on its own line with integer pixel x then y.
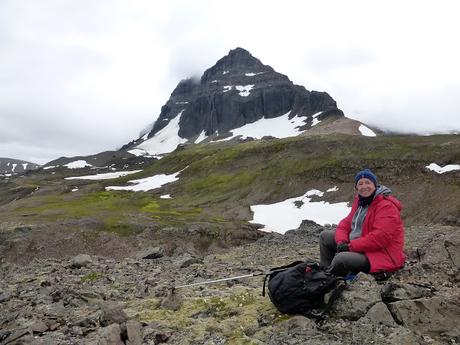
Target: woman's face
{"type": "Point", "coordinates": [365, 187]}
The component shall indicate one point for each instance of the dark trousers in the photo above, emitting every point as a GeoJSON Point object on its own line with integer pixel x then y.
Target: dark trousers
{"type": "Point", "coordinates": [340, 263]}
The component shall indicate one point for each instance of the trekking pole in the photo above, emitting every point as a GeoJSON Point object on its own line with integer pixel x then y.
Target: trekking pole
{"type": "Point", "coordinates": [229, 278]}
{"type": "Point", "coordinates": [219, 280]}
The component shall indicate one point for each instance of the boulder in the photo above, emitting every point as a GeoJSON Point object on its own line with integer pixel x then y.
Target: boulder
{"type": "Point", "coordinates": [392, 291]}
{"type": "Point", "coordinates": [150, 253]}
{"type": "Point", "coordinates": [110, 335]}
{"type": "Point", "coordinates": [435, 316]}
{"type": "Point", "coordinates": [404, 336]}
{"type": "Point", "coordinates": [81, 260]}
{"type": "Point", "coordinates": [134, 333]}
{"type": "Point", "coordinates": [379, 314]}
{"type": "Point", "coordinates": [186, 260]}
{"type": "Point", "coordinates": [172, 301]}
{"type": "Point", "coordinates": [297, 324]}
{"type": "Point", "coordinates": [358, 298]}
{"type": "Point", "coordinates": [112, 312]}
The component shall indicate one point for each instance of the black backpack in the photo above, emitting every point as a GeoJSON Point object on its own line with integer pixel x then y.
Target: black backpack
{"type": "Point", "coordinates": [299, 288]}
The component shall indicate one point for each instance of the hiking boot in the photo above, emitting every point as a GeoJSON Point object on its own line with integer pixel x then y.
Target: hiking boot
{"type": "Point", "coordinates": [350, 277]}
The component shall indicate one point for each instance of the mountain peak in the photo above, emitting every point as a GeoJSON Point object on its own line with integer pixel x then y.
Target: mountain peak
{"type": "Point", "coordinates": [236, 61]}
{"type": "Point", "coordinates": [238, 91]}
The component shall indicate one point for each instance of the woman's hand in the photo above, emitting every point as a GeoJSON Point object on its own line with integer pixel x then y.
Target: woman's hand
{"type": "Point", "coordinates": [343, 247]}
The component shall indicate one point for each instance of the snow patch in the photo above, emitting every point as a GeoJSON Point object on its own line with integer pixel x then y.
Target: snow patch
{"type": "Point", "coordinates": [244, 90]}
{"type": "Point", "coordinates": [164, 141]}
{"type": "Point", "coordinates": [367, 132]}
{"type": "Point", "coordinates": [251, 74]}
{"type": "Point", "coordinates": [77, 164]}
{"type": "Point", "coordinates": [278, 127]}
{"type": "Point", "coordinates": [137, 152]}
{"type": "Point", "coordinates": [441, 170]}
{"type": "Point", "coordinates": [104, 176]}
{"type": "Point", "coordinates": [74, 190]}
{"type": "Point", "coordinates": [315, 120]}
{"type": "Point", "coordinates": [225, 72]}
{"type": "Point", "coordinates": [201, 137]}
{"type": "Point", "coordinates": [333, 189]}
{"type": "Point", "coordinates": [148, 183]}
{"type": "Point", "coordinates": [289, 214]}
{"type": "Point", "coordinates": [166, 196]}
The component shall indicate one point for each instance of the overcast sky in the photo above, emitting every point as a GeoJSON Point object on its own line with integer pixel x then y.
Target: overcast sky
{"type": "Point", "coordinates": [82, 76]}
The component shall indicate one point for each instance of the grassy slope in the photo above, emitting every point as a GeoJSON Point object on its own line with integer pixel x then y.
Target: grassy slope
{"type": "Point", "coordinates": [223, 179]}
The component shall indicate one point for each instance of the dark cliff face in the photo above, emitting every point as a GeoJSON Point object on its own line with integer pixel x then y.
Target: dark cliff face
{"type": "Point", "coordinates": [237, 90]}
{"type": "Point", "coordinates": [10, 166]}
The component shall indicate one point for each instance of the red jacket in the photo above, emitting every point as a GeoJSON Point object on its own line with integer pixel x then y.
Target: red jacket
{"type": "Point", "coordinates": [382, 238]}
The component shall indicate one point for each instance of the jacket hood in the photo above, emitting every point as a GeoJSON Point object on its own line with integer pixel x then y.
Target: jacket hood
{"type": "Point", "coordinates": [385, 193]}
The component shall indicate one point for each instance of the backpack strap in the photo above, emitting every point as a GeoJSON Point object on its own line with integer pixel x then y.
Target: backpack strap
{"type": "Point", "coordinates": [270, 274]}
{"type": "Point", "coordinates": [265, 282]}
{"type": "Point", "coordinates": [336, 293]}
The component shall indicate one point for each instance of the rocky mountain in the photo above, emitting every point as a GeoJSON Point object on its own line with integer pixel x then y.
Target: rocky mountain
{"type": "Point", "coordinates": [14, 166]}
{"type": "Point", "coordinates": [235, 98]}
{"type": "Point", "coordinates": [101, 160]}
{"type": "Point", "coordinates": [90, 247]}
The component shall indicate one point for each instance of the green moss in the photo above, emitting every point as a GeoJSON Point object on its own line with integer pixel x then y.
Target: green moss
{"type": "Point", "coordinates": [90, 277]}
{"type": "Point", "coordinates": [218, 185]}
{"type": "Point", "coordinates": [117, 226]}
{"type": "Point", "coordinates": [233, 314]}
{"type": "Point", "coordinates": [113, 209]}
{"type": "Point", "coordinates": [151, 206]}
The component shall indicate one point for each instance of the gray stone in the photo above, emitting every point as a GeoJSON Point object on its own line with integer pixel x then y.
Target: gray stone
{"type": "Point", "coordinates": [453, 250]}
{"type": "Point", "coordinates": [15, 336]}
{"type": "Point", "coordinates": [359, 298]}
{"type": "Point", "coordinates": [81, 260]}
{"type": "Point", "coordinates": [172, 301]}
{"type": "Point", "coordinates": [379, 314]}
{"type": "Point", "coordinates": [5, 296]}
{"type": "Point", "coordinates": [403, 336]}
{"type": "Point", "coordinates": [392, 292]}
{"type": "Point", "coordinates": [39, 327]}
{"type": "Point", "coordinates": [110, 335]}
{"type": "Point", "coordinates": [297, 324]}
{"type": "Point", "coordinates": [150, 253]}
{"type": "Point", "coordinates": [134, 333]}
{"type": "Point", "coordinates": [112, 312]}
{"type": "Point", "coordinates": [433, 316]}
{"type": "Point", "coordinates": [186, 260]}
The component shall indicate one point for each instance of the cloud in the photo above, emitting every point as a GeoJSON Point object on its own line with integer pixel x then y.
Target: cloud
{"type": "Point", "coordinates": [82, 77]}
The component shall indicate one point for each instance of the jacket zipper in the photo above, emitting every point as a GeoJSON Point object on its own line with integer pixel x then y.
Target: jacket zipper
{"type": "Point", "coordinates": [357, 218]}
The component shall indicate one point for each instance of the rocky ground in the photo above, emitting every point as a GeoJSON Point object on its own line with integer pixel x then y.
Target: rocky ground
{"type": "Point", "coordinates": [98, 300]}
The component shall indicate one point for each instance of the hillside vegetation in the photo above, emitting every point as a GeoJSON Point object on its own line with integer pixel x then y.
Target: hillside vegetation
{"type": "Point", "coordinates": [210, 204]}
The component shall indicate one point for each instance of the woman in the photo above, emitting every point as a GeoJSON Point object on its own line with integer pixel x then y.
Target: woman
{"type": "Point", "coordinates": [371, 238]}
